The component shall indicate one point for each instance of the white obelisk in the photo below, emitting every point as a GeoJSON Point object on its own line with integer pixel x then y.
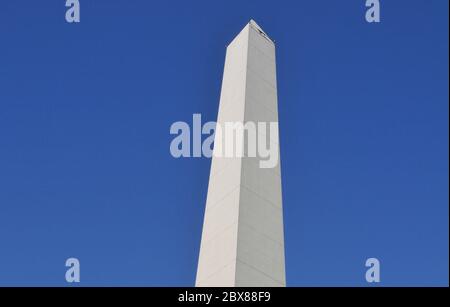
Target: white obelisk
{"type": "Point", "coordinates": [242, 241]}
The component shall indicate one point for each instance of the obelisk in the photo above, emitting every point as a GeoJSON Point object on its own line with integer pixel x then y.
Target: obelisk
{"type": "Point", "coordinates": [242, 242]}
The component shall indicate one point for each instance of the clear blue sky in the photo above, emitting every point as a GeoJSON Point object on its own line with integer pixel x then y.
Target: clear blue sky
{"type": "Point", "coordinates": [85, 111]}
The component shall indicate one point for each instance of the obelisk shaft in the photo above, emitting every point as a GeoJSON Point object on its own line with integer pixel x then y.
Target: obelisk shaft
{"type": "Point", "coordinates": [242, 240]}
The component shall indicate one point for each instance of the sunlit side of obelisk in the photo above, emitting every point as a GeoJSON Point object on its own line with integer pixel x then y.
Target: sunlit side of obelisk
{"type": "Point", "coordinates": [242, 240]}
